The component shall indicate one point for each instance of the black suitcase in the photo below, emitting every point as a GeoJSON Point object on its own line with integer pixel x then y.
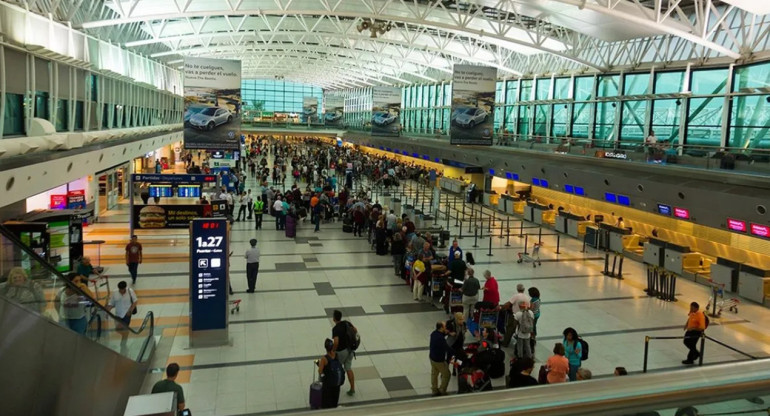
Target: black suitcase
{"type": "Point", "coordinates": [347, 228]}
{"type": "Point", "coordinates": [469, 258]}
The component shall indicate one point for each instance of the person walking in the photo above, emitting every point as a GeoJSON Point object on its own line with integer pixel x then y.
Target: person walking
{"type": "Point", "coordinates": [439, 352]}
{"type": "Point", "coordinates": [329, 370]}
{"type": "Point", "coordinates": [259, 208]}
{"type": "Point", "coordinates": [693, 329]}
{"type": "Point", "coordinates": [133, 257]}
{"type": "Point", "coordinates": [343, 349]}
{"type": "Point", "coordinates": [252, 265]}
{"type": "Point", "coordinates": [242, 204]}
{"type": "Point", "coordinates": [470, 289]}
{"type": "Point", "coordinates": [169, 384]}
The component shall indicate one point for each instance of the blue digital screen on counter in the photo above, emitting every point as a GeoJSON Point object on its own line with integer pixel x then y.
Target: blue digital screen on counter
{"type": "Point", "coordinates": [543, 183]}
{"type": "Point", "coordinates": [569, 188]}
{"type": "Point", "coordinates": [624, 200]}
{"type": "Point", "coordinates": [508, 175]}
{"type": "Point", "coordinates": [492, 172]}
{"type": "Point", "coordinates": [610, 197]}
{"type": "Point", "coordinates": [515, 176]}
{"type": "Point", "coordinates": [536, 181]}
{"type": "Point", "coordinates": [208, 274]}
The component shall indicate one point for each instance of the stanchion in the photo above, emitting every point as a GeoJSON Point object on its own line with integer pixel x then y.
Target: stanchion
{"type": "Point", "coordinates": [526, 243]}
{"type": "Point", "coordinates": [473, 218]}
{"type": "Point", "coordinates": [606, 263]}
{"type": "Point", "coordinates": [448, 216]}
{"type": "Point", "coordinates": [435, 217]}
{"type": "Point", "coordinates": [481, 229]}
{"type": "Point", "coordinates": [540, 235]}
{"type": "Point", "coordinates": [475, 237]}
{"type": "Point", "coordinates": [489, 254]}
{"type": "Point", "coordinates": [584, 244]}
{"type": "Point", "coordinates": [501, 231]}
{"type": "Point", "coordinates": [702, 348]}
{"type": "Point", "coordinates": [646, 353]}
{"type": "Point", "coordinates": [558, 243]}
{"type": "Point", "coordinates": [521, 229]}
{"type": "Point", "coordinates": [508, 237]}
{"type": "Point", "coordinates": [460, 237]}
{"type": "Point", "coordinates": [457, 218]}
{"type": "Point", "coordinates": [620, 268]}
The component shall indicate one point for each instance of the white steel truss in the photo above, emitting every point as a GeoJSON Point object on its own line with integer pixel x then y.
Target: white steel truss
{"type": "Point", "coordinates": [518, 37]}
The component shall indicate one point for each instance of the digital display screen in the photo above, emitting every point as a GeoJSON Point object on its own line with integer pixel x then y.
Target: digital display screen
{"type": "Point", "coordinates": [508, 175]}
{"type": "Point", "coordinates": [760, 230]}
{"type": "Point", "coordinates": [681, 213]}
{"type": "Point", "coordinates": [736, 225]}
{"type": "Point", "coordinates": [610, 197]}
{"type": "Point", "coordinates": [208, 274]}
{"type": "Point", "coordinates": [189, 191]}
{"type": "Point", "coordinates": [515, 176]}
{"type": "Point", "coordinates": [161, 191]}
{"type": "Point", "coordinates": [624, 200]}
{"type": "Point", "coordinates": [536, 181]}
{"type": "Point", "coordinates": [569, 188]}
{"type": "Point", "coordinates": [543, 183]}
{"type": "Point", "coordinates": [491, 172]}
{"type": "Point", "coordinates": [579, 191]}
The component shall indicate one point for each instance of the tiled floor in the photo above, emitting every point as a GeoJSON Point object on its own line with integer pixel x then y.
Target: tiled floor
{"type": "Point", "coordinates": [279, 330]}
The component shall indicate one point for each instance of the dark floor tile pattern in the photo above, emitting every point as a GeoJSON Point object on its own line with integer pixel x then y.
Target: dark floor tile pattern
{"type": "Point", "coordinates": [290, 267]}
{"type": "Point", "coordinates": [347, 311]}
{"type": "Point", "coordinates": [324, 289]}
{"type": "Point", "coordinates": [407, 308]}
{"type": "Point", "coordinates": [397, 383]}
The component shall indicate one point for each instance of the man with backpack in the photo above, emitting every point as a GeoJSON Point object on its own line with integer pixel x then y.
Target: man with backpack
{"type": "Point", "coordinates": [332, 376]}
{"type": "Point", "coordinates": [525, 324]}
{"type": "Point", "coordinates": [696, 324]}
{"type": "Point", "coordinates": [346, 342]}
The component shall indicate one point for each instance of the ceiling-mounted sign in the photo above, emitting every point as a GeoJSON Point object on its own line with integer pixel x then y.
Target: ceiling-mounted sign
{"type": "Point", "coordinates": [736, 225]}
{"type": "Point", "coordinates": [682, 213]}
{"type": "Point", "coordinates": [473, 105]}
{"type": "Point", "coordinates": [760, 230]}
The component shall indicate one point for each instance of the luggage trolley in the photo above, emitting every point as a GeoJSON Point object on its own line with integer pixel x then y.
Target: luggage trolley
{"type": "Point", "coordinates": [235, 306]}
{"type": "Point", "coordinates": [533, 258]}
{"type": "Point", "coordinates": [721, 303]}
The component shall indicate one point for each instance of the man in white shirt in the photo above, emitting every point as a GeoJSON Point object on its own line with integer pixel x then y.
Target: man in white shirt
{"type": "Point", "coordinates": [123, 301]}
{"type": "Point", "coordinates": [525, 319]}
{"type": "Point", "coordinates": [652, 143]}
{"type": "Point", "coordinates": [279, 217]}
{"type": "Point", "coordinates": [230, 203]}
{"type": "Point", "coordinates": [514, 305]}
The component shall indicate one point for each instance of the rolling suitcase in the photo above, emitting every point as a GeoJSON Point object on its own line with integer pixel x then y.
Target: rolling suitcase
{"type": "Point", "coordinates": [316, 395]}
{"type": "Point", "coordinates": [291, 227]}
{"type": "Point", "coordinates": [469, 258]}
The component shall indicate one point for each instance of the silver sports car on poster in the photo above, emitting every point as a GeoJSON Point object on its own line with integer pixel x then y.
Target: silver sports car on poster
{"type": "Point", "coordinates": [383, 118]}
{"type": "Point", "coordinates": [210, 117]}
{"type": "Point", "coordinates": [469, 117]}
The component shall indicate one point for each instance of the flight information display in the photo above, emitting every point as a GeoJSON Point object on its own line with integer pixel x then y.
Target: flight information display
{"type": "Point", "coordinates": [208, 274]}
{"type": "Point", "coordinates": [189, 191]}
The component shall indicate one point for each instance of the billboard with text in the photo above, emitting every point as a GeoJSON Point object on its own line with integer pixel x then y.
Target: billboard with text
{"type": "Point", "coordinates": [473, 101]}
{"type": "Point", "coordinates": [309, 109]}
{"type": "Point", "coordinates": [212, 100]}
{"type": "Point", "coordinates": [334, 111]}
{"type": "Point", "coordinates": [386, 111]}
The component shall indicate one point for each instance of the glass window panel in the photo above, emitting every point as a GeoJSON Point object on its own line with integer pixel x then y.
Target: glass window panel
{"type": "Point", "coordinates": [584, 88]}
{"type": "Point", "coordinates": [752, 76]}
{"type": "Point", "coordinates": [559, 124]}
{"type": "Point", "coordinates": [608, 85]}
{"type": "Point", "coordinates": [543, 89]}
{"type": "Point", "coordinates": [709, 81]}
{"type": "Point", "coordinates": [78, 115]}
{"type": "Point", "coordinates": [13, 119]}
{"type": "Point", "coordinates": [510, 115]}
{"type": "Point", "coordinates": [541, 120]}
{"type": "Point", "coordinates": [561, 88]}
{"type": "Point", "coordinates": [511, 90]}
{"type": "Point", "coordinates": [704, 121]}
{"type": "Point", "coordinates": [632, 121]}
{"type": "Point", "coordinates": [41, 105]}
{"type": "Point", "coordinates": [62, 112]}
{"type": "Point", "coordinates": [524, 115]}
{"type": "Point", "coordinates": [750, 121]}
{"type": "Point", "coordinates": [605, 120]}
{"type": "Point", "coordinates": [669, 82]}
{"type": "Point", "coordinates": [526, 90]}
{"type": "Point", "coordinates": [636, 84]}
{"type": "Point", "coordinates": [666, 116]}
{"type": "Point", "coordinates": [581, 118]}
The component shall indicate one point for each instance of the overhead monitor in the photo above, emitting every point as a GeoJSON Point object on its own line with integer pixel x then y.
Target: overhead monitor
{"type": "Point", "coordinates": [543, 183]}
{"type": "Point", "coordinates": [760, 230]}
{"type": "Point", "coordinates": [161, 191]}
{"type": "Point", "coordinates": [569, 188]}
{"type": "Point", "coordinates": [682, 213]}
{"type": "Point", "coordinates": [736, 225]}
{"type": "Point", "coordinates": [664, 209]}
{"type": "Point", "coordinates": [536, 181]}
{"type": "Point", "coordinates": [610, 197]}
{"type": "Point", "coordinates": [580, 191]}
{"type": "Point", "coordinates": [624, 200]}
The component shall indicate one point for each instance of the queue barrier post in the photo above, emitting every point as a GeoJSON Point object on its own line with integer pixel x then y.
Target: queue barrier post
{"type": "Point", "coordinates": [558, 243]}
{"type": "Point", "coordinates": [526, 243]}
{"type": "Point", "coordinates": [475, 237]}
{"type": "Point", "coordinates": [489, 254]}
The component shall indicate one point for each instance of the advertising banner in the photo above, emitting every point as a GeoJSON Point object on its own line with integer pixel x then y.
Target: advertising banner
{"type": "Point", "coordinates": [473, 100]}
{"type": "Point", "coordinates": [209, 248]}
{"type": "Point", "coordinates": [58, 201]}
{"type": "Point", "coordinates": [76, 199]}
{"type": "Point", "coordinates": [212, 99]}
{"type": "Point", "coordinates": [386, 111]}
{"type": "Point", "coordinates": [309, 109]}
{"type": "Point", "coordinates": [167, 216]}
{"type": "Point", "coordinates": [335, 109]}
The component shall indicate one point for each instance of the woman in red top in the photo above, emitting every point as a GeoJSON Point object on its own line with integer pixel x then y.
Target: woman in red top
{"type": "Point", "coordinates": [491, 291]}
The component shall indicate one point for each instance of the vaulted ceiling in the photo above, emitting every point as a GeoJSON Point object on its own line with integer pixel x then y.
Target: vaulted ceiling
{"type": "Point", "coordinates": [326, 42]}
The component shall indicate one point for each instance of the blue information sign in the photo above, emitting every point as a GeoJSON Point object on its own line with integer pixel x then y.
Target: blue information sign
{"type": "Point", "coordinates": [168, 178]}
{"type": "Point", "coordinates": [208, 274]}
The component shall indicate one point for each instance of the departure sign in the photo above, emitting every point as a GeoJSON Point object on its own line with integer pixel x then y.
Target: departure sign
{"type": "Point", "coordinates": [760, 230]}
{"type": "Point", "coordinates": [682, 213]}
{"type": "Point", "coordinates": [208, 274]}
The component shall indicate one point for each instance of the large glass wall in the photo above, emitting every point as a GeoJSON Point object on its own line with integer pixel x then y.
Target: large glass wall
{"type": "Point", "coordinates": [277, 96]}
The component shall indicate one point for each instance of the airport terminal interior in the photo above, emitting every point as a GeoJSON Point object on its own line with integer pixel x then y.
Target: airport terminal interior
{"type": "Point", "coordinates": [609, 158]}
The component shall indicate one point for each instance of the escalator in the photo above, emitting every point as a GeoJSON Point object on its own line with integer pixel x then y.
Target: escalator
{"type": "Point", "coordinates": [60, 350]}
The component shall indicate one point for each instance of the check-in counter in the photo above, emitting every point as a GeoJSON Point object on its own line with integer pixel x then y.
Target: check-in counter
{"type": "Point", "coordinates": [529, 213]}
{"type": "Point", "coordinates": [490, 199]}
{"type": "Point", "coordinates": [409, 211]}
{"type": "Point", "coordinates": [519, 207]}
{"type": "Point", "coordinates": [677, 256]}
{"type": "Point", "coordinates": [541, 214]}
{"type": "Point", "coordinates": [452, 185]}
{"type": "Point", "coordinates": [505, 203]}
{"type": "Point", "coordinates": [726, 272]}
{"type": "Point", "coordinates": [397, 207]}
{"type": "Point", "coordinates": [654, 252]}
{"type": "Point", "coordinates": [754, 283]}
{"type": "Point", "coordinates": [560, 224]}
{"type": "Point", "coordinates": [595, 237]}
{"type": "Point", "coordinates": [619, 238]}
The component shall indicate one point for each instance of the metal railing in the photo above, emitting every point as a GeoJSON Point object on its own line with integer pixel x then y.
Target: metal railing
{"type": "Point", "coordinates": [702, 337]}
{"type": "Point", "coordinates": [52, 283]}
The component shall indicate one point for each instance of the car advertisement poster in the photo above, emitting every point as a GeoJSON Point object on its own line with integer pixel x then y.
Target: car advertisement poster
{"type": "Point", "coordinates": [335, 109]}
{"type": "Point", "coordinates": [212, 100]}
{"type": "Point", "coordinates": [145, 217]}
{"type": "Point", "coordinates": [309, 109]}
{"type": "Point", "coordinates": [386, 111]}
{"type": "Point", "coordinates": [473, 100]}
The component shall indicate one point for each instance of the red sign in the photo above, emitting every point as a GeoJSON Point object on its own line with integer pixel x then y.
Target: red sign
{"type": "Point", "coordinates": [760, 230]}
{"type": "Point", "coordinates": [681, 213]}
{"type": "Point", "coordinates": [736, 225]}
{"type": "Point", "coordinates": [76, 199]}
{"type": "Point", "coordinates": [58, 201]}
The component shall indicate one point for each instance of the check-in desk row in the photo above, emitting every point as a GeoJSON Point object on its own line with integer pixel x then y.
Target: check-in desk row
{"type": "Point", "coordinates": [452, 185]}
{"type": "Point", "coordinates": [608, 237]}
{"type": "Point", "coordinates": [539, 213]}
{"type": "Point", "coordinates": [571, 224]}
{"type": "Point", "coordinates": [510, 205]}
{"type": "Point", "coordinates": [750, 282]}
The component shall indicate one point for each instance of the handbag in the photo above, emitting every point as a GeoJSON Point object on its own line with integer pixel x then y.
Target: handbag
{"type": "Point", "coordinates": [134, 311]}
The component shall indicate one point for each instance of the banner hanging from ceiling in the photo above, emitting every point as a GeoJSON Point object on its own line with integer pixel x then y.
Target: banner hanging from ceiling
{"type": "Point", "coordinates": [212, 100]}
{"type": "Point", "coordinates": [386, 111]}
{"type": "Point", "coordinates": [335, 109]}
{"type": "Point", "coordinates": [309, 109]}
{"type": "Point", "coordinates": [473, 101]}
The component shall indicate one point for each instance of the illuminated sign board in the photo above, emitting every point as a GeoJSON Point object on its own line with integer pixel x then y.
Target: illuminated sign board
{"type": "Point", "coordinates": [664, 209]}
{"type": "Point", "coordinates": [682, 213]}
{"type": "Point", "coordinates": [736, 225]}
{"type": "Point", "coordinates": [208, 274]}
{"type": "Point", "coordinates": [760, 230]}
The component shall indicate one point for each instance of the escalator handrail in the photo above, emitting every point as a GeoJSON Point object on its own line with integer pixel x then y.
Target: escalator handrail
{"type": "Point", "coordinates": [149, 318]}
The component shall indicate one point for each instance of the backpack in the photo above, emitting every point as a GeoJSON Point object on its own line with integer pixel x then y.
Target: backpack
{"type": "Point", "coordinates": [334, 372]}
{"type": "Point", "coordinates": [354, 340]}
{"type": "Point", "coordinates": [707, 319]}
{"type": "Point", "coordinates": [527, 323]}
{"type": "Point", "coordinates": [583, 349]}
